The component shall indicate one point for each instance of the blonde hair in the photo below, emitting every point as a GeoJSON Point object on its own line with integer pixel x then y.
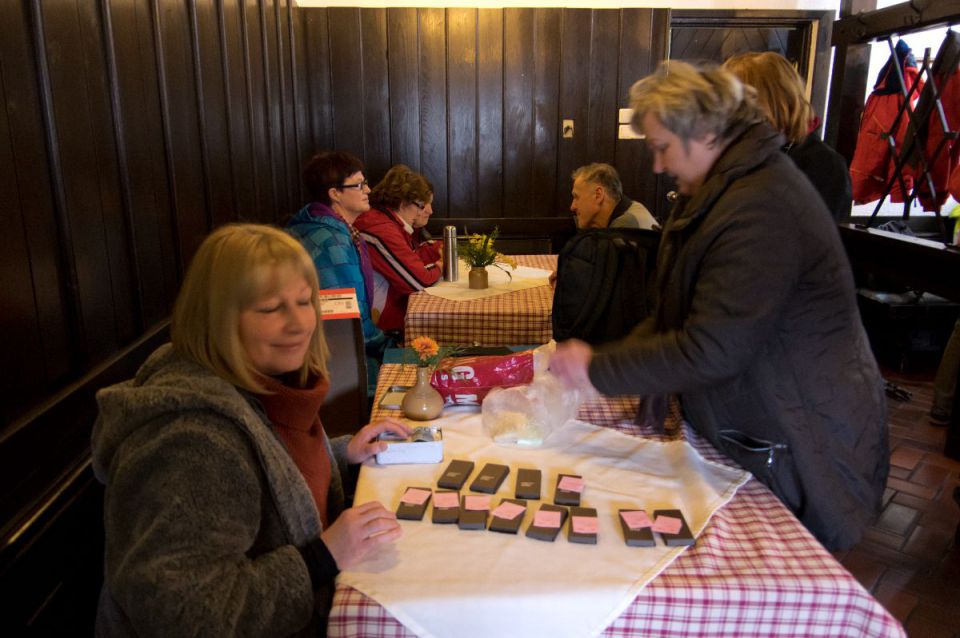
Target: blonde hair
{"type": "Point", "coordinates": [236, 265]}
{"type": "Point", "coordinates": [780, 91]}
{"type": "Point", "coordinates": [693, 101]}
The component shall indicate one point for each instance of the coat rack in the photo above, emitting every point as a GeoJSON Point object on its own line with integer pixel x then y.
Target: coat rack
{"type": "Point", "coordinates": [907, 17]}
{"type": "Point", "coordinates": [911, 146]}
{"type": "Point", "coordinates": [917, 263]}
{"type": "Point", "coordinates": [883, 24]}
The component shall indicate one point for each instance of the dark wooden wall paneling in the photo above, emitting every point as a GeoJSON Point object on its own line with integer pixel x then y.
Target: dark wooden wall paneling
{"type": "Point", "coordinates": [129, 129]}
{"type": "Point", "coordinates": [133, 127]}
{"type": "Point", "coordinates": [473, 98]}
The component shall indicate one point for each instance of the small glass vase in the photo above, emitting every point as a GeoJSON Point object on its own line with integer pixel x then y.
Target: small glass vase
{"type": "Point", "coordinates": [422, 402]}
{"type": "Point", "coordinates": [478, 278]}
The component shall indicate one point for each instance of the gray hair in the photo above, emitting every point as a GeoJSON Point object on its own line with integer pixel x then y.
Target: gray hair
{"type": "Point", "coordinates": [602, 174]}
{"type": "Point", "coordinates": [693, 101]}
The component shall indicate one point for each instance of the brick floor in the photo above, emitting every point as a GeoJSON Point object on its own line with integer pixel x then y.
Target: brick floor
{"type": "Point", "coordinates": [909, 559]}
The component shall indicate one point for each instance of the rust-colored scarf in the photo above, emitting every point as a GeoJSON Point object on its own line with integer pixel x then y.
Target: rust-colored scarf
{"type": "Point", "coordinates": [294, 416]}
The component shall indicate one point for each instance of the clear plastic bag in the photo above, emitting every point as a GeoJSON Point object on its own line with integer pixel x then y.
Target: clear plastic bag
{"type": "Point", "coordinates": [524, 416]}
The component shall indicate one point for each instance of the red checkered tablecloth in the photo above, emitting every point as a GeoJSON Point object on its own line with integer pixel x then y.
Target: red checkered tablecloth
{"type": "Point", "coordinates": [755, 570]}
{"type": "Point", "coordinates": [502, 320]}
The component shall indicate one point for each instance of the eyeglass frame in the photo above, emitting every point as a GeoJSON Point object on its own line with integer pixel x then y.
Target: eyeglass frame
{"type": "Point", "coordinates": [420, 205]}
{"type": "Point", "coordinates": [358, 186]}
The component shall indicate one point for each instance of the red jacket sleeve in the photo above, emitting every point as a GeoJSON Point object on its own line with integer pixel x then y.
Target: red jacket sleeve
{"type": "Point", "coordinates": [393, 257]}
{"type": "Point", "coordinates": [429, 252]}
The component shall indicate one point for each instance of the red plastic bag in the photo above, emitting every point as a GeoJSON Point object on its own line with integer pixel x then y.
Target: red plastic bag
{"type": "Point", "coordinates": [467, 380]}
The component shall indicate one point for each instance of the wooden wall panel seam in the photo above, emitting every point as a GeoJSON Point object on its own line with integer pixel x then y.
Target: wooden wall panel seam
{"type": "Point", "coordinates": [293, 105]}
{"type": "Point", "coordinates": [248, 85]}
{"type": "Point", "coordinates": [267, 110]}
{"type": "Point", "coordinates": [419, 93]}
{"type": "Point", "coordinates": [476, 106]}
{"type": "Point", "coordinates": [363, 80]}
{"type": "Point", "coordinates": [503, 112]}
{"type": "Point", "coordinates": [561, 178]}
{"type": "Point", "coordinates": [329, 73]}
{"type": "Point", "coordinates": [79, 355]}
{"type": "Point", "coordinates": [126, 197]}
{"type": "Point", "coordinates": [227, 101]}
{"type": "Point", "coordinates": [201, 111]}
{"type": "Point", "coordinates": [282, 83]}
{"type": "Point", "coordinates": [297, 195]}
{"type": "Point", "coordinates": [158, 51]}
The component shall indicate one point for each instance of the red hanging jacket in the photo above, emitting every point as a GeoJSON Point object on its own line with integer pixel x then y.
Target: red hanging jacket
{"type": "Point", "coordinates": [872, 164]}
{"type": "Point", "coordinates": [931, 134]}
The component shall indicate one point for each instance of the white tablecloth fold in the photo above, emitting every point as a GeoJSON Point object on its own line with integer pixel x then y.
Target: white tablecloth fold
{"type": "Point", "coordinates": [441, 581]}
{"type": "Point", "coordinates": [521, 278]}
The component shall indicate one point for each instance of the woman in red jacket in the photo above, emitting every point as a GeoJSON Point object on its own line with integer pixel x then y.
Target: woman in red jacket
{"type": "Point", "coordinates": [389, 230]}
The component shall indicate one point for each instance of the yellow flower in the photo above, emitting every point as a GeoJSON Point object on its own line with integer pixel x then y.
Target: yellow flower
{"type": "Point", "coordinates": [479, 251]}
{"type": "Point", "coordinates": [508, 260]}
{"type": "Point", "coordinates": [426, 348]}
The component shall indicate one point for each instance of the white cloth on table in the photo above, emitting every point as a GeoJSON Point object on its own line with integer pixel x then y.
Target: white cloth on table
{"type": "Point", "coordinates": [520, 278]}
{"type": "Point", "coordinates": [439, 580]}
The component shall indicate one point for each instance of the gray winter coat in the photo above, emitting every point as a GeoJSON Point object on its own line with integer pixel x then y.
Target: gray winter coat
{"type": "Point", "coordinates": [757, 329]}
{"type": "Point", "coordinates": [204, 510]}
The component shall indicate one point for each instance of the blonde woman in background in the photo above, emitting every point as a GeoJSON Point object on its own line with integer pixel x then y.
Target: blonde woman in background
{"type": "Point", "coordinates": [224, 508]}
{"type": "Point", "coordinates": [781, 95]}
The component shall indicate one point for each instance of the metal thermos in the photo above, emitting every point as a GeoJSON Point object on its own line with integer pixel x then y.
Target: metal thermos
{"type": "Point", "coordinates": [450, 256]}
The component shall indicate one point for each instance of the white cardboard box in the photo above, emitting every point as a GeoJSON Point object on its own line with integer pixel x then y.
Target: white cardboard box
{"type": "Point", "coordinates": [425, 445]}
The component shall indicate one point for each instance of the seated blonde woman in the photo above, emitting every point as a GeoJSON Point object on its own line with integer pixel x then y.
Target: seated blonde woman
{"type": "Point", "coordinates": [782, 96]}
{"type": "Point", "coordinates": [224, 507]}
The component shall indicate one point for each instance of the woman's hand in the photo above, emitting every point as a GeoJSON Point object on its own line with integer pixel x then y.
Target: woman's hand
{"type": "Point", "coordinates": [570, 363]}
{"type": "Point", "coordinates": [358, 531]}
{"type": "Point", "coordinates": [364, 443]}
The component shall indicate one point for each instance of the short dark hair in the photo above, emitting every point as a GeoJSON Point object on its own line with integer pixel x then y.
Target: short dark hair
{"type": "Point", "coordinates": [401, 185]}
{"type": "Point", "coordinates": [327, 170]}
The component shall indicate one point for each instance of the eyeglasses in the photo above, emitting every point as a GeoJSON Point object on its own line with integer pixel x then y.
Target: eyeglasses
{"type": "Point", "coordinates": [359, 185]}
{"type": "Point", "coordinates": [420, 205]}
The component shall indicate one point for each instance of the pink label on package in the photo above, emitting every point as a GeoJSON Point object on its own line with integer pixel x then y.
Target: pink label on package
{"type": "Point", "coordinates": [584, 524]}
{"type": "Point", "coordinates": [635, 519]}
{"type": "Point", "coordinates": [546, 518]}
{"type": "Point", "coordinates": [474, 502]}
{"type": "Point", "coordinates": [508, 511]}
{"type": "Point", "coordinates": [445, 500]}
{"type": "Point", "coordinates": [571, 484]}
{"type": "Point", "coordinates": [415, 496]}
{"type": "Point", "coordinates": [667, 525]}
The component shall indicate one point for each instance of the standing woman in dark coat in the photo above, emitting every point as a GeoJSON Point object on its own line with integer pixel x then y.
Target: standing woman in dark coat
{"type": "Point", "coordinates": [756, 325]}
{"type": "Point", "coordinates": [781, 95]}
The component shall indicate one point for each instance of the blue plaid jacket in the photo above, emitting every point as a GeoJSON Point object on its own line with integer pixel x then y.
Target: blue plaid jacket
{"type": "Point", "coordinates": [330, 244]}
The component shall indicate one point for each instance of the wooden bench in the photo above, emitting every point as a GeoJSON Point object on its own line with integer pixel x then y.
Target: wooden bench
{"type": "Point", "coordinates": [51, 537]}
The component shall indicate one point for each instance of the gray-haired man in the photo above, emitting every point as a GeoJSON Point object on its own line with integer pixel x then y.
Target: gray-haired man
{"type": "Point", "coordinates": [599, 202]}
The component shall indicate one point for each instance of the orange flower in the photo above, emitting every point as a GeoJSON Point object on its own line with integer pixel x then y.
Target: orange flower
{"type": "Point", "coordinates": [426, 348]}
